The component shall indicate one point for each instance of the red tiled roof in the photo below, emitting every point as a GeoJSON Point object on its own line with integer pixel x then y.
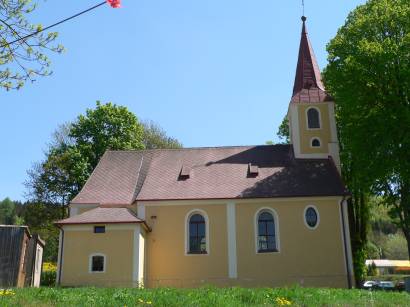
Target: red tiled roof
{"type": "Point", "coordinates": [215, 173]}
{"type": "Point", "coordinates": [308, 85]}
{"type": "Point", "coordinates": [102, 216]}
{"type": "Point", "coordinates": [114, 180]}
{"type": "Point", "coordinates": [219, 173]}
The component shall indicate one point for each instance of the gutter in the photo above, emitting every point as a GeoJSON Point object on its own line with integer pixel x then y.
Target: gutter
{"type": "Point", "coordinates": [349, 279]}
{"type": "Point", "coordinates": [61, 257]}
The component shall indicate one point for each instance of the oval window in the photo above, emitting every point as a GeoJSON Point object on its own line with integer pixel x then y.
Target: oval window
{"type": "Point", "coordinates": [311, 217]}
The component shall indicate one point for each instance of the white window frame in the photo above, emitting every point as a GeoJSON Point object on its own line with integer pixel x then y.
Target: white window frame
{"type": "Point", "coordinates": [90, 263]}
{"type": "Point", "coordinates": [277, 236]}
{"type": "Point", "coordinates": [307, 118]}
{"type": "Point", "coordinates": [318, 217]}
{"type": "Point", "coordinates": [315, 138]}
{"type": "Point", "coordinates": [187, 218]}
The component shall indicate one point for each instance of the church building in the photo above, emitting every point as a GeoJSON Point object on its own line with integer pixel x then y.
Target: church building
{"type": "Point", "coordinates": [251, 216]}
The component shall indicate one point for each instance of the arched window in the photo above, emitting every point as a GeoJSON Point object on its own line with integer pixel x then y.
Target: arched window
{"type": "Point", "coordinates": [313, 118]}
{"type": "Point", "coordinates": [315, 142]}
{"type": "Point", "coordinates": [97, 263]}
{"type": "Point", "coordinates": [197, 243]}
{"type": "Point", "coordinates": [266, 237]}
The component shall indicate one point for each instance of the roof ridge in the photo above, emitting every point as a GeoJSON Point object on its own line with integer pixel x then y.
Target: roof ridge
{"type": "Point", "coordinates": [193, 148]}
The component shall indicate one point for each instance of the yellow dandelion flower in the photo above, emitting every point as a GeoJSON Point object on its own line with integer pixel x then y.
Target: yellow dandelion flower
{"type": "Point", "coordinates": [4, 292]}
{"type": "Point", "coordinates": [281, 301]}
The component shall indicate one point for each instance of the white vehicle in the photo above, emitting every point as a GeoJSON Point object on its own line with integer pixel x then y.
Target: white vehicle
{"type": "Point", "coordinates": [369, 284]}
{"type": "Point", "coordinates": [385, 285]}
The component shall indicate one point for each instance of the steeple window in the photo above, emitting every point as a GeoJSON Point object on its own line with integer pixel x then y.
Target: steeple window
{"type": "Point", "coordinates": [313, 118]}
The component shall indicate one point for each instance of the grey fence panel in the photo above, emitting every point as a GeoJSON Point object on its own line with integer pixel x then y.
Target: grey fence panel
{"type": "Point", "coordinates": [11, 239]}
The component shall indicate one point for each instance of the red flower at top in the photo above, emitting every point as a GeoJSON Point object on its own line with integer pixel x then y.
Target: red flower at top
{"type": "Point", "coordinates": [114, 3]}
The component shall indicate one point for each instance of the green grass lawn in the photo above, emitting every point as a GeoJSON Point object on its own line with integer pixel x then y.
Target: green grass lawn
{"type": "Point", "coordinates": [208, 296]}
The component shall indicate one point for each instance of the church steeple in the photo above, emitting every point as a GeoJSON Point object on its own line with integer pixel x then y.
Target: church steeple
{"type": "Point", "coordinates": [308, 86]}
{"type": "Point", "coordinates": [311, 112]}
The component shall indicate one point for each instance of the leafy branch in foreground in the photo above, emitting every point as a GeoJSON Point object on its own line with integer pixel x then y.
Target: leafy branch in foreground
{"type": "Point", "coordinates": [26, 59]}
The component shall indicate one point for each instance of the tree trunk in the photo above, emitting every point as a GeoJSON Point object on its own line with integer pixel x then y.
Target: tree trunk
{"type": "Point", "coordinates": [404, 214]}
{"type": "Point", "coordinates": [358, 220]}
{"type": "Point", "coordinates": [407, 236]}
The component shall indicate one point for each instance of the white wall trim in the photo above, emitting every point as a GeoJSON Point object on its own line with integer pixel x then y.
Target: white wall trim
{"type": "Point", "coordinates": [187, 217]}
{"type": "Point", "coordinates": [231, 225]}
{"type": "Point", "coordinates": [74, 208]}
{"type": "Point", "coordinates": [294, 123]}
{"type": "Point", "coordinates": [318, 217]}
{"type": "Point", "coordinates": [334, 152]}
{"type": "Point", "coordinates": [141, 260]}
{"type": "Point", "coordinates": [307, 118]}
{"type": "Point", "coordinates": [108, 227]}
{"type": "Point", "coordinates": [141, 210]}
{"type": "Point", "coordinates": [332, 120]}
{"type": "Point", "coordinates": [277, 234]}
{"type": "Point", "coordinates": [59, 268]}
{"type": "Point", "coordinates": [313, 156]}
{"type": "Point", "coordinates": [73, 211]}
{"type": "Point", "coordinates": [90, 263]}
{"type": "Point", "coordinates": [211, 202]}
{"type": "Point", "coordinates": [135, 257]}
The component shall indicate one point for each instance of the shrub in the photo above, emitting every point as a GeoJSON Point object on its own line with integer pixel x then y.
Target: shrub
{"type": "Point", "coordinates": [372, 269]}
{"type": "Point", "coordinates": [49, 274]}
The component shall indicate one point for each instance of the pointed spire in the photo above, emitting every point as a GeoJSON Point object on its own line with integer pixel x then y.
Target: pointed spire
{"type": "Point", "coordinates": [308, 85]}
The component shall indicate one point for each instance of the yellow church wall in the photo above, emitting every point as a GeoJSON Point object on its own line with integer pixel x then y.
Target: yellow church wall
{"type": "Point", "coordinates": [306, 257]}
{"type": "Point", "coordinates": [116, 244]}
{"type": "Point", "coordinates": [167, 263]}
{"type": "Point", "coordinates": [82, 210]}
{"type": "Point", "coordinates": [306, 135]}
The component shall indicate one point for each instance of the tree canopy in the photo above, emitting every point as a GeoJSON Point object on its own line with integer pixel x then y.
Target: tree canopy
{"type": "Point", "coordinates": [7, 212]}
{"type": "Point", "coordinates": [369, 76]}
{"type": "Point", "coordinates": [76, 148]}
{"type": "Point", "coordinates": [155, 137]}
{"type": "Point", "coordinates": [283, 131]}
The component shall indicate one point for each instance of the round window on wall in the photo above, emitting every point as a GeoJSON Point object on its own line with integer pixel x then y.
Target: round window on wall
{"type": "Point", "coordinates": [311, 217]}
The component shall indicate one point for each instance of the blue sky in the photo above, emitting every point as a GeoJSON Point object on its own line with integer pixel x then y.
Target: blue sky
{"type": "Point", "coordinates": [211, 73]}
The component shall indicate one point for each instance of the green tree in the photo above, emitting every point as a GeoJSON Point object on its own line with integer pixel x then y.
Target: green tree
{"type": "Point", "coordinates": [7, 212]}
{"type": "Point", "coordinates": [369, 76]}
{"type": "Point", "coordinates": [283, 131]}
{"type": "Point", "coordinates": [76, 149]}
{"type": "Point", "coordinates": [26, 59]}
{"type": "Point", "coordinates": [395, 247]}
{"type": "Point", "coordinates": [40, 217]}
{"type": "Point", "coordinates": [372, 269]}
{"type": "Point", "coordinates": [155, 137]}
{"type": "Point", "coordinates": [108, 126]}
